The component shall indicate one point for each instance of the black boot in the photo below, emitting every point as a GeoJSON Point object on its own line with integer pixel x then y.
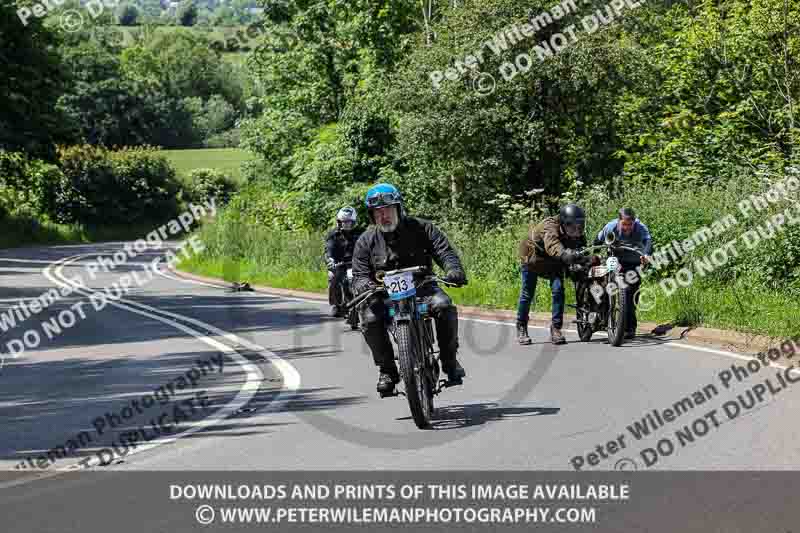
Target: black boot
{"type": "Point", "coordinates": [522, 333]}
{"type": "Point", "coordinates": [387, 380]}
{"type": "Point", "coordinates": [455, 372]}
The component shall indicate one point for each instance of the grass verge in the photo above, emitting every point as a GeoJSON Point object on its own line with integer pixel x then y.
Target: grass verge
{"type": "Point", "coordinates": [739, 308]}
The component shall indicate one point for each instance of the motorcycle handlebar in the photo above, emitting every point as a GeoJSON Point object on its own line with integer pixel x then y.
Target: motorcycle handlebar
{"type": "Point", "coordinates": [377, 290]}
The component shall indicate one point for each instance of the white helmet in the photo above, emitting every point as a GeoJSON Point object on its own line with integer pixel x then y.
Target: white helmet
{"type": "Point", "coordinates": [346, 218]}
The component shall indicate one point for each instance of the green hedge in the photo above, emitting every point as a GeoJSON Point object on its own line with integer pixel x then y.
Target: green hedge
{"type": "Point", "coordinates": [27, 186]}
{"type": "Point", "coordinates": [90, 185]}
{"type": "Point", "coordinates": [127, 186]}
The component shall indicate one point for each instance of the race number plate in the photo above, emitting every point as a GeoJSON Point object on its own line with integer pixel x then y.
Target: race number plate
{"type": "Point", "coordinates": [400, 285]}
{"type": "Point", "coordinates": [612, 264]}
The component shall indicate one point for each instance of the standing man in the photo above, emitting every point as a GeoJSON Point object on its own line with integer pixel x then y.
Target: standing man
{"type": "Point", "coordinates": [339, 246]}
{"type": "Point", "coordinates": [629, 231]}
{"type": "Point", "coordinates": [549, 247]}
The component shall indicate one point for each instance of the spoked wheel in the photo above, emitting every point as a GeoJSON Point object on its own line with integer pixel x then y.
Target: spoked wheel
{"type": "Point", "coordinates": [617, 308]}
{"type": "Point", "coordinates": [353, 319]}
{"type": "Point", "coordinates": [583, 304]}
{"type": "Point", "coordinates": [420, 400]}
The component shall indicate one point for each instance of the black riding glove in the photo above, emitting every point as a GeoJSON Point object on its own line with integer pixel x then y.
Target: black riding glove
{"type": "Point", "coordinates": [456, 277]}
{"type": "Point", "coordinates": [570, 256]}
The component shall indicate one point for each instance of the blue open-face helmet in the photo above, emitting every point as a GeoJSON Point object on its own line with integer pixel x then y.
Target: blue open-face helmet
{"type": "Point", "coordinates": [382, 195]}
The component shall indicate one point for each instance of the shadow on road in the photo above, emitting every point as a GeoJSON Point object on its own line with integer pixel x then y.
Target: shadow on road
{"type": "Point", "coordinates": [476, 414]}
{"type": "Point", "coordinates": [639, 341]}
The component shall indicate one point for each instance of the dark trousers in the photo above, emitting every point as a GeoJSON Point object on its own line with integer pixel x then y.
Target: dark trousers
{"type": "Point", "coordinates": [374, 320]}
{"type": "Point", "coordinates": [335, 283]}
{"type": "Point", "coordinates": [528, 295]}
{"type": "Point", "coordinates": [631, 296]}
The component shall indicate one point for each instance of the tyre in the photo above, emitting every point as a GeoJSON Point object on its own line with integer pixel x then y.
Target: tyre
{"type": "Point", "coordinates": [617, 311]}
{"type": "Point", "coordinates": [430, 373]}
{"type": "Point", "coordinates": [353, 319]}
{"type": "Point", "coordinates": [411, 371]}
{"type": "Point", "coordinates": [584, 304]}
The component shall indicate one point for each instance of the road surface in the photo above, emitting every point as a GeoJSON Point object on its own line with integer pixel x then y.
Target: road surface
{"type": "Point", "coordinates": [270, 383]}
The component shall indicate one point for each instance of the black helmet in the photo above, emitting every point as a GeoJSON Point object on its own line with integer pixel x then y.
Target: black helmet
{"type": "Point", "coordinates": [572, 219]}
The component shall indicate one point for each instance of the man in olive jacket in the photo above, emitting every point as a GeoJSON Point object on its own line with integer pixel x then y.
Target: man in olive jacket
{"type": "Point", "coordinates": [547, 249]}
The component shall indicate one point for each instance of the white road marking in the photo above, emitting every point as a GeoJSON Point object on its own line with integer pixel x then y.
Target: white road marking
{"type": "Point", "coordinates": [254, 376]}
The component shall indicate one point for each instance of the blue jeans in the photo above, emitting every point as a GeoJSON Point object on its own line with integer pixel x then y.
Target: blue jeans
{"type": "Point", "coordinates": [528, 295]}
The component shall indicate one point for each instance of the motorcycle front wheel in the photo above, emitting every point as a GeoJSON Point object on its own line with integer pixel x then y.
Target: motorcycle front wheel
{"type": "Point", "coordinates": [617, 309]}
{"type": "Point", "coordinates": [352, 319]}
{"type": "Point", "coordinates": [583, 304]}
{"type": "Point", "coordinates": [412, 371]}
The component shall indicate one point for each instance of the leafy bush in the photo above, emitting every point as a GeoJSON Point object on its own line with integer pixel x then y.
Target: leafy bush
{"type": "Point", "coordinates": [27, 186]}
{"type": "Point", "coordinates": [125, 187]}
{"type": "Point", "coordinates": [206, 183]}
{"type": "Point", "coordinates": [187, 13]}
{"type": "Point", "coordinates": [225, 139]}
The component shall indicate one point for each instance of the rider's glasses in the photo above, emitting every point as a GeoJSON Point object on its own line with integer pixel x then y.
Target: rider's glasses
{"type": "Point", "coordinates": [383, 198]}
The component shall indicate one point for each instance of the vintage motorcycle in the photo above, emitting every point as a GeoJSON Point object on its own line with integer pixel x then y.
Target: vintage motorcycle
{"type": "Point", "coordinates": [601, 293]}
{"type": "Point", "coordinates": [411, 327]}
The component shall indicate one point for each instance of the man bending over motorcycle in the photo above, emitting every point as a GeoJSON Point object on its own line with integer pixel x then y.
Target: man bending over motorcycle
{"type": "Point", "coordinates": [396, 241]}
{"type": "Point", "coordinates": [629, 231]}
{"type": "Point", "coordinates": [549, 247]}
{"type": "Point", "coordinates": [339, 246]}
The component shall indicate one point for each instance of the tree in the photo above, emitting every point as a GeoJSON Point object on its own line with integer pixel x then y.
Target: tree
{"type": "Point", "coordinates": [187, 13]}
{"type": "Point", "coordinates": [128, 15]}
{"type": "Point", "coordinates": [34, 76]}
{"type": "Point", "coordinates": [112, 109]}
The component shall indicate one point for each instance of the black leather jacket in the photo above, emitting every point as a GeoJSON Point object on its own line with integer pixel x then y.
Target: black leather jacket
{"type": "Point", "coordinates": [415, 242]}
{"type": "Point", "coordinates": [339, 245]}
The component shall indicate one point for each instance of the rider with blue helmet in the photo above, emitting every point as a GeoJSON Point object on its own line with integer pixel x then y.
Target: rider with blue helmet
{"type": "Point", "coordinates": [393, 241]}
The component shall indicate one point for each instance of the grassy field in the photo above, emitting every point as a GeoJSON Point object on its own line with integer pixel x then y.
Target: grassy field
{"type": "Point", "coordinates": [227, 160]}
{"type": "Point", "coordinates": [228, 37]}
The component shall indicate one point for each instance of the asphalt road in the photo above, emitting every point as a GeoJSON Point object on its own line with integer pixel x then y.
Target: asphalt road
{"type": "Point", "coordinates": [297, 388]}
{"type": "Point", "coordinates": [266, 383]}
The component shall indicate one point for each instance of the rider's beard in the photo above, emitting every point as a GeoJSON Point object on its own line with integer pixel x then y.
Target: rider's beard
{"type": "Point", "coordinates": [391, 225]}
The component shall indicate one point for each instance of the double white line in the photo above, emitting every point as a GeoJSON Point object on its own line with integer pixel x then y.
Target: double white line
{"type": "Point", "coordinates": [254, 376]}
